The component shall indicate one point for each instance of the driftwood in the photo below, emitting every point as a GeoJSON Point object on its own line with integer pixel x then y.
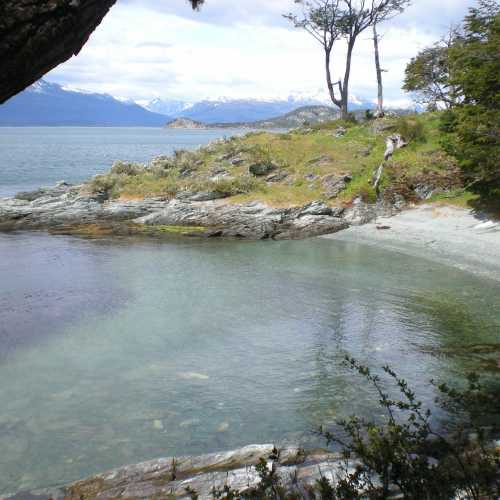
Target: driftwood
{"type": "Point", "coordinates": [393, 142]}
{"type": "Point", "coordinates": [380, 84]}
{"type": "Point", "coordinates": [37, 35]}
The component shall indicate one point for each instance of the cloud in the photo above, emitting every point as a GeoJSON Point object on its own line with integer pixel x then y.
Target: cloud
{"type": "Point", "coordinates": [161, 48]}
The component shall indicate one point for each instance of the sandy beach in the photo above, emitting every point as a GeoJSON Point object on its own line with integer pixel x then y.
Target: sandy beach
{"type": "Point", "coordinates": [453, 236]}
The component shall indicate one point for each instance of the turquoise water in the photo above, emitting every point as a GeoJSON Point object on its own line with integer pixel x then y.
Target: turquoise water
{"type": "Point", "coordinates": [121, 350]}
{"type": "Point", "coordinates": [113, 352]}
{"type": "Point", "coordinates": [31, 157]}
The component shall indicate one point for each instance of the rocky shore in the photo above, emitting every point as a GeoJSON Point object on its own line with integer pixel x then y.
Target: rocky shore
{"type": "Point", "coordinates": [172, 477]}
{"type": "Point", "coordinates": [65, 206]}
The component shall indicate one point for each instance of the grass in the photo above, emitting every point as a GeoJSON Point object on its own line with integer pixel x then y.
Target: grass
{"type": "Point", "coordinates": [306, 158]}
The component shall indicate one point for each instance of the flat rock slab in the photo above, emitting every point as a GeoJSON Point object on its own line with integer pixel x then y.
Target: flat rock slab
{"type": "Point", "coordinates": [171, 477]}
{"type": "Point", "coordinates": [67, 205]}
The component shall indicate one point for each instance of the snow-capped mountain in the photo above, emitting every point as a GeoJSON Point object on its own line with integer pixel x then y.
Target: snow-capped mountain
{"type": "Point", "coordinates": [227, 110]}
{"type": "Point", "coordinates": [50, 104]}
{"type": "Point", "coordinates": [169, 107]}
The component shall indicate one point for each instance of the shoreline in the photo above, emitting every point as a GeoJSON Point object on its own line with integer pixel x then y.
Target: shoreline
{"type": "Point", "coordinates": [445, 234]}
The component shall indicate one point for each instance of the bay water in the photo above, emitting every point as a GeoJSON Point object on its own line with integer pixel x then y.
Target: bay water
{"type": "Point", "coordinates": [114, 351]}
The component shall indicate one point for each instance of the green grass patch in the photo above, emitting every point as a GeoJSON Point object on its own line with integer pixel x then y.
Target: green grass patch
{"type": "Point", "coordinates": [304, 158]}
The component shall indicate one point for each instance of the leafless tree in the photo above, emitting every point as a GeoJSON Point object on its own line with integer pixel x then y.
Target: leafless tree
{"type": "Point", "coordinates": [331, 20]}
{"type": "Point", "coordinates": [379, 71]}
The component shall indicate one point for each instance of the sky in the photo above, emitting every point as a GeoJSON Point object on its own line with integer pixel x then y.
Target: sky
{"type": "Point", "coordinates": [146, 49]}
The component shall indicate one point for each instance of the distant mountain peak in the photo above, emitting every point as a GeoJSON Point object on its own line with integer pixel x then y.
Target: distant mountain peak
{"type": "Point", "coordinates": [241, 110]}
{"type": "Point", "coordinates": [43, 87]}
{"type": "Point", "coordinates": [50, 104]}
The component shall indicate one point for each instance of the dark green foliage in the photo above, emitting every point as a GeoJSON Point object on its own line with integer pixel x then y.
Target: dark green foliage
{"type": "Point", "coordinates": [428, 77]}
{"type": "Point", "coordinates": [463, 74]}
{"type": "Point", "coordinates": [408, 456]}
{"type": "Point", "coordinates": [474, 127]}
{"type": "Point", "coordinates": [411, 128]}
{"type": "Point", "coordinates": [192, 494]}
{"type": "Point", "coordinates": [402, 456]}
{"type": "Point", "coordinates": [369, 115]}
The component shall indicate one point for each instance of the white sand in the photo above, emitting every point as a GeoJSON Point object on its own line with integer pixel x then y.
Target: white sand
{"type": "Point", "coordinates": [449, 235]}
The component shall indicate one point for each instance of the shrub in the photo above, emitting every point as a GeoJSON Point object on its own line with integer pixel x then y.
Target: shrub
{"type": "Point", "coordinates": [474, 140]}
{"type": "Point", "coordinates": [126, 168]}
{"type": "Point", "coordinates": [411, 128]}
{"type": "Point", "coordinates": [261, 155]}
{"type": "Point", "coordinates": [403, 457]}
{"type": "Point", "coordinates": [163, 166]}
{"type": "Point", "coordinates": [230, 186]}
{"type": "Point", "coordinates": [368, 194]}
{"type": "Point", "coordinates": [369, 115]}
{"type": "Point", "coordinates": [103, 184]}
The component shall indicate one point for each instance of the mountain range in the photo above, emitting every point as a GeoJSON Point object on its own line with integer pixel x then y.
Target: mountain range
{"type": "Point", "coordinates": [50, 104]}
{"type": "Point", "coordinates": [232, 111]}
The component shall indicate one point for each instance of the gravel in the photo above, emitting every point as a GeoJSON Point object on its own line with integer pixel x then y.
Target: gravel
{"type": "Point", "coordinates": [449, 235]}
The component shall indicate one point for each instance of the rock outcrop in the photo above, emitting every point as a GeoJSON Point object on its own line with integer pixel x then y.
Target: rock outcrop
{"type": "Point", "coordinates": [172, 477]}
{"type": "Point", "coordinates": [70, 205]}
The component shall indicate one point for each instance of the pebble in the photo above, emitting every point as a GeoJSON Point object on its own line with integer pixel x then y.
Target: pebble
{"type": "Point", "coordinates": [223, 427]}
{"type": "Point", "coordinates": [158, 425]}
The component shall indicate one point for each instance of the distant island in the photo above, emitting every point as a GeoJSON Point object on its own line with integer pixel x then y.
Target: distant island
{"type": "Point", "coordinates": [186, 123]}
{"type": "Point", "coordinates": [306, 115]}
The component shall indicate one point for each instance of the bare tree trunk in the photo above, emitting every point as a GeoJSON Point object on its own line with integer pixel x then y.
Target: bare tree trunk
{"type": "Point", "coordinates": [380, 102]}
{"type": "Point", "coordinates": [37, 35]}
{"type": "Point", "coordinates": [329, 82]}
{"type": "Point", "coordinates": [344, 88]}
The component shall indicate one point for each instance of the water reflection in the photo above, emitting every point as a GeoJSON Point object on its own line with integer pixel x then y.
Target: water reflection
{"type": "Point", "coordinates": [182, 348]}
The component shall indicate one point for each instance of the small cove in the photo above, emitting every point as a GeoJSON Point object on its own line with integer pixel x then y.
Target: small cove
{"type": "Point", "coordinates": [183, 347]}
{"type": "Point", "coordinates": [114, 351]}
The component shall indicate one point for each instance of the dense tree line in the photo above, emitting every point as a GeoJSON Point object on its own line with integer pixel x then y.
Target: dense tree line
{"type": "Point", "coordinates": [462, 75]}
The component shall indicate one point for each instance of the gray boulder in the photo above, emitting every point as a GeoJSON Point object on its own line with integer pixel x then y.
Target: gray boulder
{"type": "Point", "coordinates": [316, 208]}
{"type": "Point", "coordinates": [334, 184]}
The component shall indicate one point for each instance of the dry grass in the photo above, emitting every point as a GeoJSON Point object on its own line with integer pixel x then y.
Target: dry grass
{"type": "Point", "coordinates": [306, 157]}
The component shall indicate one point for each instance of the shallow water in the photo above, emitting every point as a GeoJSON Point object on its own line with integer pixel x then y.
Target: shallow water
{"type": "Point", "coordinates": [31, 157]}
{"type": "Point", "coordinates": [112, 352]}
